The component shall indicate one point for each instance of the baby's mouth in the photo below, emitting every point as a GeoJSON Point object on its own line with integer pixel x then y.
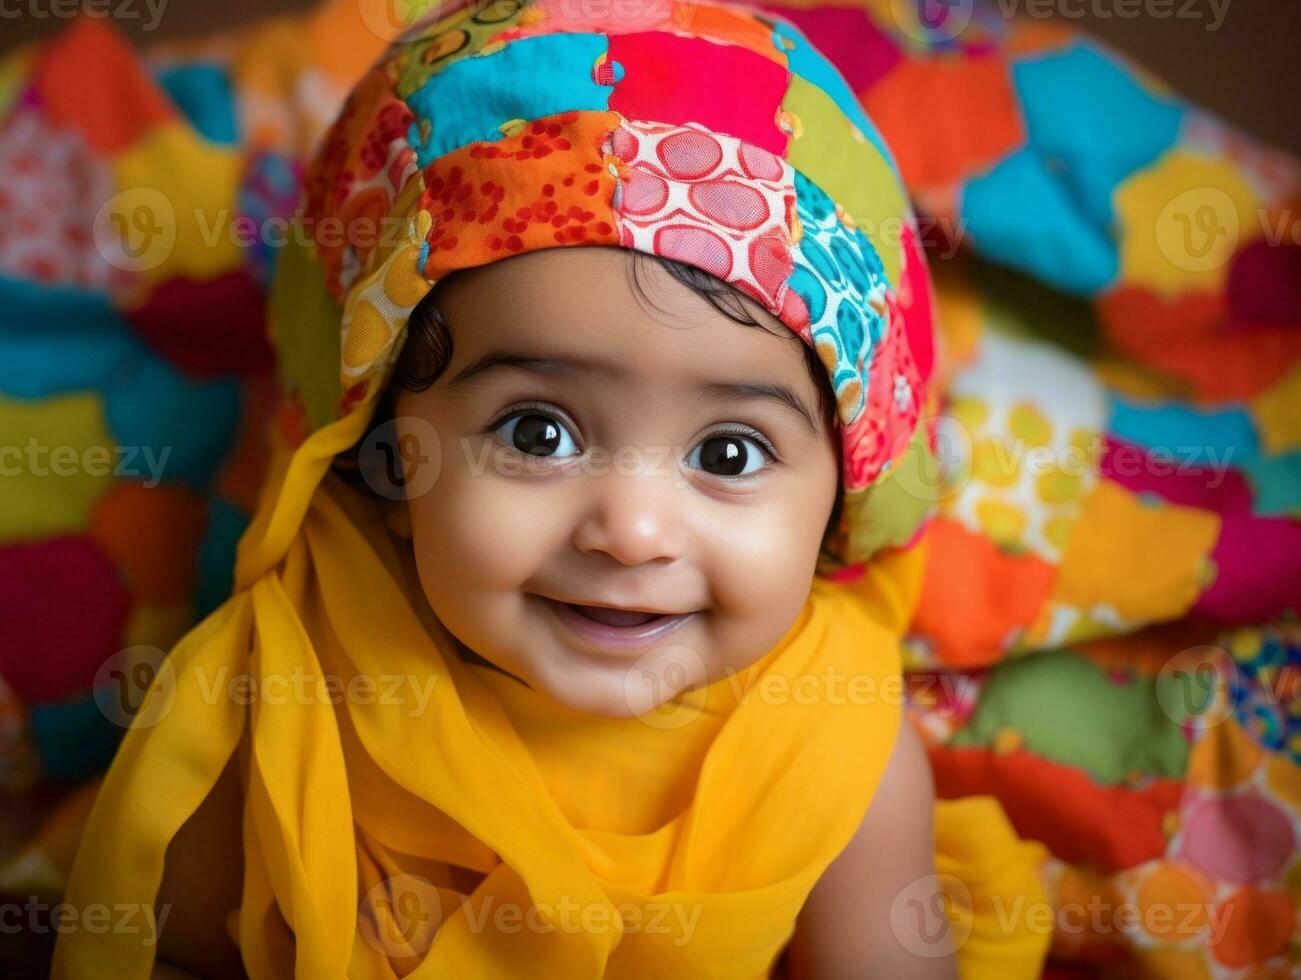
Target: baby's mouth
{"type": "Point", "coordinates": [615, 617]}
{"type": "Point", "coordinates": [619, 631]}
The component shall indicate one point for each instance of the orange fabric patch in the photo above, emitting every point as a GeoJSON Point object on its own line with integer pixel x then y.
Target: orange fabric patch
{"type": "Point", "coordinates": [1027, 35]}
{"type": "Point", "coordinates": [972, 119]}
{"type": "Point", "coordinates": [1162, 549]}
{"type": "Point", "coordinates": [974, 597]}
{"type": "Point", "coordinates": [91, 81]}
{"type": "Point", "coordinates": [1224, 757]}
{"type": "Point", "coordinates": [1148, 650]}
{"type": "Point", "coordinates": [546, 185]}
{"type": "Point", "coordinates": [725, 25]}
{"type": "Point", "coordinates": [1257, 925]}
{"type": "Point", "coordinates": [152, 534]}
{"type": "Point", "coordinates": [345, 39]}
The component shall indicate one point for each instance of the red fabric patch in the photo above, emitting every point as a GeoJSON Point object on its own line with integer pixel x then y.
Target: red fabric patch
{"type": "Point", "coordinates": [670, 79]}
{"type": "Point", "coordinates": [917, 305]}
{"type": "Point", "coordinates": [1264, 285]}
{"type": "Point", "coordinates": [208, 328]}
{"type": "Point", "coordinates": [1081, 822]}
{"type": "Point", "coordinates": [1184, 337]}
{"type": "Point", "coordinates": [63, 606]}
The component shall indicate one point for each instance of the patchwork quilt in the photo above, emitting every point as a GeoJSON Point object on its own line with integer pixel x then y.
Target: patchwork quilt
{"type": "Point", "coordinates": [1107, 635]}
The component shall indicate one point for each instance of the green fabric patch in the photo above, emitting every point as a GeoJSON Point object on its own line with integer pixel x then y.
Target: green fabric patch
{"type": "Point", "coordinates": [1067, 709]}
{"type": "Point", "coordinates": [849, 169]}
{"type": "Point", "coordinates": [306, 324]}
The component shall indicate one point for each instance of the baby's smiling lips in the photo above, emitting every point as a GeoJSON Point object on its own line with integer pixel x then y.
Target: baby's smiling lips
{"type": "Point", "coordinates": [609, 628]}
{"type": "Point", "coordinates": [615, 617]}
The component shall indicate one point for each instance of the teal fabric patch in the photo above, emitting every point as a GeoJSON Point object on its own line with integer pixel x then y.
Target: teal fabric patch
{"type": "Point", "coordinates": [73, 739]}
{"type": "Point", "coordinates": [175, 429]}
{"type": "Point", "coordinates": [466, 103]}
{"type": "Point", "coordinates": [1276, 482]}
{"type": "Point", "coordinates": [81, 342]}
{"type": "Point", "coordinates": [1095, 120]}
{"type": "Point", "coordinates": [1225, 437]}
{"type": "Point", "coordinates": [204, 96]}
{"type": "Point", "coordinates": [216, 559]}
{"type": "Point", "coordinates": [837, 273]}
{"type": "Point", "coordinates": [1021, 214]}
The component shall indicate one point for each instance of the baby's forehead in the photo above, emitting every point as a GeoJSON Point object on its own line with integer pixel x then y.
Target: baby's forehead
{"type": "Point", "coordinates": [604, 315]}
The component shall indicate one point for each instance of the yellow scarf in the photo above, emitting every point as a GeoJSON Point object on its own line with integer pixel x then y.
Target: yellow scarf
{"type": "Point", "coordinates": [447, 797]}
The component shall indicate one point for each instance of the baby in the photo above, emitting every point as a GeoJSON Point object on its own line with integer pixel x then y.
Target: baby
{"type": "Point", "coordinates": [582, 459]}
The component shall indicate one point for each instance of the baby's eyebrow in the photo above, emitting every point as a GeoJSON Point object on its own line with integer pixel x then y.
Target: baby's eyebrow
{"type": "Point", "coordinates": [579, 367]}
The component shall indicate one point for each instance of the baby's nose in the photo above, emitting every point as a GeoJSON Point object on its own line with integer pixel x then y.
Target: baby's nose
{"type": "Point", "coordinates": [633, 514]}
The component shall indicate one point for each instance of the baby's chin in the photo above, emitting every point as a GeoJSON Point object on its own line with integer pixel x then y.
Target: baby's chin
{"type": "Point", "coordinates": [611, 687]}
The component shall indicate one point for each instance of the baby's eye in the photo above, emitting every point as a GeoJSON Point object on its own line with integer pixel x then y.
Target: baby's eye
{"type": "Point", "coordinates": [729, 454]}
{"type": "Point", "coordinates": [535, 434]}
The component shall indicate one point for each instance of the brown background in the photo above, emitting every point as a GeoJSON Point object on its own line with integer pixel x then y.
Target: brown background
{"type": "Point", "coordinates": [1248, 70]}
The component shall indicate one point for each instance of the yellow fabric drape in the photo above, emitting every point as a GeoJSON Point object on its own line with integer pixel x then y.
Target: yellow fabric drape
{"type": "Point", "coordinates": [479, 796]}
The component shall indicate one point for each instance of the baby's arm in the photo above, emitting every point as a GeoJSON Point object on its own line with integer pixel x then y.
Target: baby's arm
{"type": "Point", "coordinates": [202, 882]}
{"type": "Point", "coordinates": [844, 931]}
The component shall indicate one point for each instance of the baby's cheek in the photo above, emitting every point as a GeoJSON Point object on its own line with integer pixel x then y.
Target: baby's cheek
{"type": "Point", "coordinates": [484, 531]}
{"type": "Point", "coordinates": [761, 572]}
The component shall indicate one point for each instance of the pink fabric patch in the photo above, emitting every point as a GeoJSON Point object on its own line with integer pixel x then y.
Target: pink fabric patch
{"type": "Point", "coordinates": [679, 80]}
{"type": "Point", "coordinates": [850, 40]}
{"type": "Point", "coordinates": [884, 428]}
{"type": "Point", "coordinates": [686, 194]}
{"type": "Point", "coordinates": [1258, 570]}
{"type": "Point", "coordinates": [1188, 486]}
{"type": "Point", "coordinates": [1243, 839]}
{"type": "Point", "coordinates": [64, 608]}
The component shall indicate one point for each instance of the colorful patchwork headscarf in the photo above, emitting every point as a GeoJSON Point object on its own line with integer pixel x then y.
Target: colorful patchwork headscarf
{"type": "Point", "coordinates": [706, 133]}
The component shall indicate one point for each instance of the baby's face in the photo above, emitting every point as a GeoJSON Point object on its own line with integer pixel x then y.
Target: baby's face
{"type": "Point", "coordinates": [616, 460]}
